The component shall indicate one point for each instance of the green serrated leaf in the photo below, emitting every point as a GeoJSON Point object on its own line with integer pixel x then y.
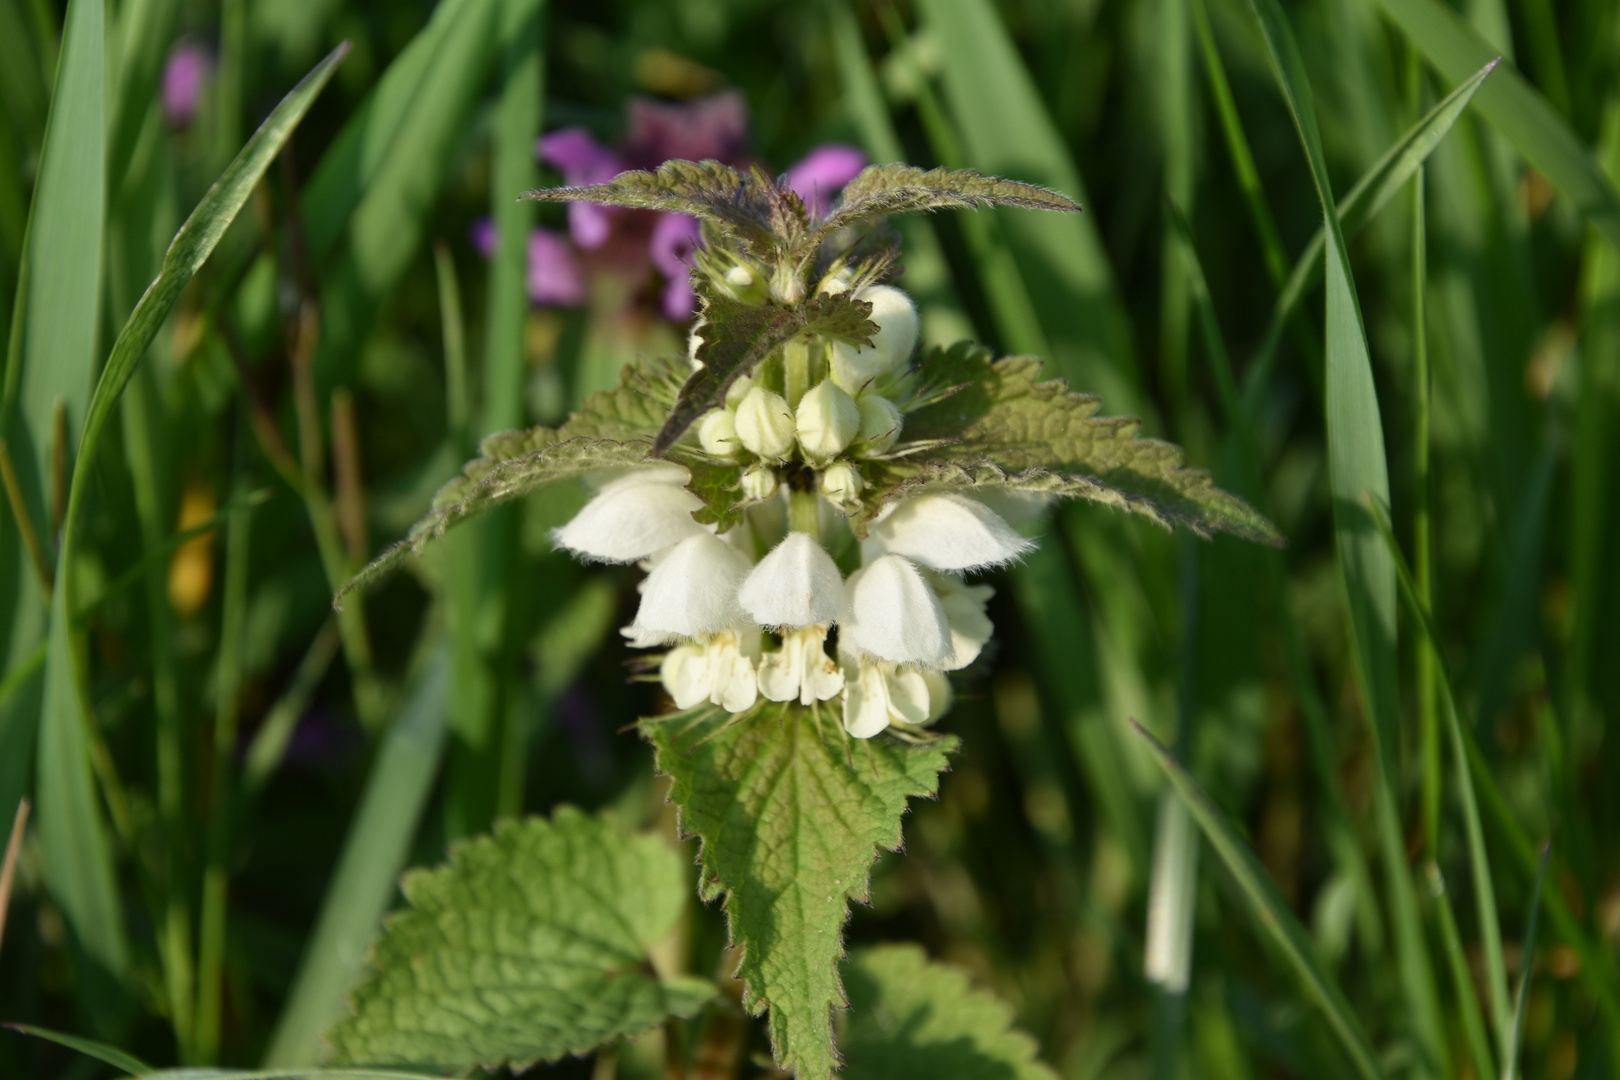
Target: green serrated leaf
{"type": "Point", "coordinates": [911, 1019]}
{"type": "Point", "coordinates": [791, 816]}
{"type": "Point", "coordinates": [530, 944]}
{"type": "Point", "coordinates": [735, 202]}
{"type": "Point", "coordinates": [737, 336]}
{"type": "Point", "coordinates": [984, 422]}
{"type": "Point", "coordinates": [881, 190]}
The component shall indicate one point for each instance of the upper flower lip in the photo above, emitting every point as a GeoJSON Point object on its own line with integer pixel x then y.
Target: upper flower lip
{"type": "Point", "coordinates": [797, 584]}
{"type": "Point", "coordinates": [893, 614]}
{"type": "Point", "coordinates": [633, 516]}
{"type": "Point", "coordinates": [947, 531]}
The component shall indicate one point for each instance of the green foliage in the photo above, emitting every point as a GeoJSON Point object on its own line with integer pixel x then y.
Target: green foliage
{"type": "Point", "coordinates": [736, 336]}
{"type": "Point", "coordinates": [911, 1019]}
{"type": "Point", "coordinates": [790, 816]}
{"type": "Point", "coordinates": [881, 190]}
{"type": "Point", "coordinates": [983, 422]}
{"type": "Point", "coordinates": [528, 945]}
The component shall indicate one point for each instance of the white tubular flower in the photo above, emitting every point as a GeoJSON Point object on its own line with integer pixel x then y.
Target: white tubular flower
{"type": "Point", "coordinates": [797, 584]}
{"type": "Point", "coordinates": [801, 670]}
{"type": "Point", "coordinates": [633, 517]}
{"type": "Point", "coordinates": [949, 532]}
{"type": "Point", "coordinates": [880, 424]}
{"type": "Point", "coordinates": [895, 615]}
{"type": "Point", "coordinates": [841, 483]}
{"type": "Point", "coordinates": [964, 611]}
{"type": "Point", "coordinates": [718, 433]}
{"type": "Point", "coordinates": [940, 694]}
{"type": "Point", "coordinates": [765, 423]}
{"type": "Point", "coordinates": [896, 319]}
{"type": "Point", "coordinates": [759, 483]}
{"type": "Point", "coordinates": [879, 693]}
{"type": "Point", "coordinates": [827, 420]}
{"type": "Point", "coordinates": [692, 592]}
{"type": "Point", "coordinates": [714, 671]}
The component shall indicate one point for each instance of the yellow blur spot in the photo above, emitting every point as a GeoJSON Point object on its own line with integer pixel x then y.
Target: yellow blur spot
{"type": "Point", "coordinates": [191, 570]}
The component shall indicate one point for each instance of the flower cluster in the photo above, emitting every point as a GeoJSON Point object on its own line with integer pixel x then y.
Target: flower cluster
{"type": "Point", "coordinates": [749, 611]}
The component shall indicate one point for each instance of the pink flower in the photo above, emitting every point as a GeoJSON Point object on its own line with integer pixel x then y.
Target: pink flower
{"type": "Point", "coordinates": [583, 160]}
{"type": "Point", "coordinates": [188, 67]}
{"type": "Point", "coordinates": [826, 169]}
{"type": "Point", "coordinates": [674, 239]}
{"type": "Point", "coordinates": [712, 127]}
{"type": "Point", "coordinates": [554, 274]}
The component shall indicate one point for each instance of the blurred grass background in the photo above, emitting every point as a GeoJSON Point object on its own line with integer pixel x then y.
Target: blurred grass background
{"type": "Point", "coordinates": [255, 769]}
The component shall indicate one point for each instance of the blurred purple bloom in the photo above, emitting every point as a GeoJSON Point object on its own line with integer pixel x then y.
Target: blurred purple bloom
{"type": "Point", "coordinates": [482, 235]}
{"type": "Point", "coordinates": [824, 171]}
{"type": "Point", "coordinates": [711, 127]}
{"type": "Point", "coordinates": [183, 77]}
{"type": "Point", "coordinates": [583, 160]}
{"type": "Point", "coordinates": [554, 272]}
{"type": "Point", "coordinates": [673, 240]}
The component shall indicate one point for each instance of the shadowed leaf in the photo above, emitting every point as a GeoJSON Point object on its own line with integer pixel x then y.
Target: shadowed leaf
{"type": "Point", "coordinates": [880, 190]}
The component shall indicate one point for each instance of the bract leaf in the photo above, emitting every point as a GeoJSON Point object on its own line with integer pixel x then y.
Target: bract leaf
{"type": "Point", "coordinates": [911, 1019]}
{"type": "Point", "coordinates": [736, 336]}
{"type": "Point", "coordinates": [613, 429]}
{"type": "Point", "coordinates": [881, 190]}
{"type": "Point", "coordinates": [735, 202]}
{"type": "Point", "coordinates": [992, 422]}
{"type": "Point", "coordinates": [530, 944]}
{"type": "Point", "coordinates": [790, 823]}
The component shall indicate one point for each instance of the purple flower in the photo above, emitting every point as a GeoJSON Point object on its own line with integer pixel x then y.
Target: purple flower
{"type": "Point", "coordinates": [185, 72]}
{"type": "Point", "coordinates": [554, 273]}
{"type": "Point", "coordinates": [826, 169]}
{"type": "Point", "coordinates": [673, 240]}
{"type": "Point", "coordinates": [481, 234]}
{"type": "Point", "coordinates": [583, 160]}
{"type": "Point", "coordinates": [711, 127]}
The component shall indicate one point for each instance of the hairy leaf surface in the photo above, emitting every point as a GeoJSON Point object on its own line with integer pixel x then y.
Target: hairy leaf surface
{"type": "Point", "coordinates": [881, 190]}
{"type": "Point", "coordinates": [737, 336]}
{"type": "Point", "coordinates": [791, 816]}
{"type": "Point", "coordinates": [911, 1019]}
{"type": "Point", "coordinates": [735, 202]}
{"type": "Point", "coordinates": [530, 944]}
{"type": "Point", "coordinates": [982, 421]}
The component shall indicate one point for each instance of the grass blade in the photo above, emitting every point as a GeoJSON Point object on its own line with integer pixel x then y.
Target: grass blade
{"type": "Point", "coordinates": [374, 853]}
{"type": "Point", "coordinates": [1462, 979]}
{"type": "Point", "coordinates": [8, 864]}
{"type": "Point", "coordinates": [1515, 108]}
{"type": "Point", "coordinates": [1510, 1052]}
{"type": "Point", "coordinates": [1357, 468]}
{"type": "Point", "coordinates": [109, 1055]}
{"type": "Point", "coordinates": [1270, 910]}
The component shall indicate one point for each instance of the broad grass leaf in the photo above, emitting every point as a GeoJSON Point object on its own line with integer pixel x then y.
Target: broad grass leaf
{"type": "Point", "coordinates": [791, 816]}
{"type": "Point", "coordinates": [912, 1019]}
{"type": "Point", "coordinates": [529, 944]}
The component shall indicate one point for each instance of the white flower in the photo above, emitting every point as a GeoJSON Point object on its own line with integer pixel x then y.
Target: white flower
{"type": "Point", "coordinates": [718, 433]}
{"type": "Point", "coordinates": [692, 592]}
{"type": "Point", "coordinates": [715, 670]}
{"type": "Point", "coordinates": [964, 611]}
{"type": "Point", "coordinates": [841, 483]}
{"type": "Point", "coordinates": [895, 615]}
{"type": "Point", "coordinates": [940, 694]}
{"type": "Point", "coordinates": [739, 277]}
{"type": "Point", "coordinates": [797, 584]}
{"type": "Point", "coordinates": [880, 424]}
{"type": "Point", "coordinates": [949, 532]}
{"type": "Point", "coordinates": [801, 669]}
{"type": "Point", "coordinates": [738, 390]}
{"type": "Point", "coordinates": [636, 515]}
{"type": "Point", "coordinates": [896, 319]}
{"type": "Point", "coordinates": [827, 420]}
{"type": "Point", "coordinates": [759, 483]}
{"type": "Point", "coordinates": [879, 693]}
{"type": "Point", "coordinates": [765, 423]}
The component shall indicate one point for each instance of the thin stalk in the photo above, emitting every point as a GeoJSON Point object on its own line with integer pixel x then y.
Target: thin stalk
{"type": "Point", "coordinates": [455, 344]}
{"type": "Point", "coordinates": [1510, 1054]}
{"type": "Point", "coordinates": [25, 522]}
{"type": "Point", "coordinates": [1462, 979]}
{"type": "Point", "coordinates": [8, 868]}
{"type": "Point", "coordinates": [233, 621]}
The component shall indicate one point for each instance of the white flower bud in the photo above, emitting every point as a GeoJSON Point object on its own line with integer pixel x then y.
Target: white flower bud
{"type": "Point", "coordinates": [964, 611]}
{"type": "Point", "coordinates": [835, 283]}
{"type": "Point", "coordinates": [759, 483]}
{"type": "Point", "coordinates": [739, 277]}
{"type": "Point", "coordinates": [880, 424]}
{"type": "Point", "coordinates": [827, 421]}
{"type": "Point", "coordinates": [738, 390]}
{"type": "Point", "coordinates": [896, 319]}
{"type": "Point", "coordinates": [692, 592]}
{"type": "Point", "coordinates": [797, 584]}
{"type": "Point", "coordinates": [949, 532]}
{"type": "Point", "coordinates": [632, 517]}
{"type": "Point", "coordinates": [714, 671]}
{"type": "Point", "coordinates": [878, 694]}
{"type": "Point", "coordinates": [718, 433]}
{"type": "Point", "coordinates": [841, 483]}
{"type": "Point", "coordinates": [893, 614]}
{"type": "Point", "coordinates": [801, 670]}
{"type": "Point", "coordinates": [765, 424]}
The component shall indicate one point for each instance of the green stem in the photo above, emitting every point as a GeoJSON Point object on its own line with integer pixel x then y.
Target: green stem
{"type": "Point", "coordinates": [796, 370]}
{"type": "Point", "coordinates": [804, 513]}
